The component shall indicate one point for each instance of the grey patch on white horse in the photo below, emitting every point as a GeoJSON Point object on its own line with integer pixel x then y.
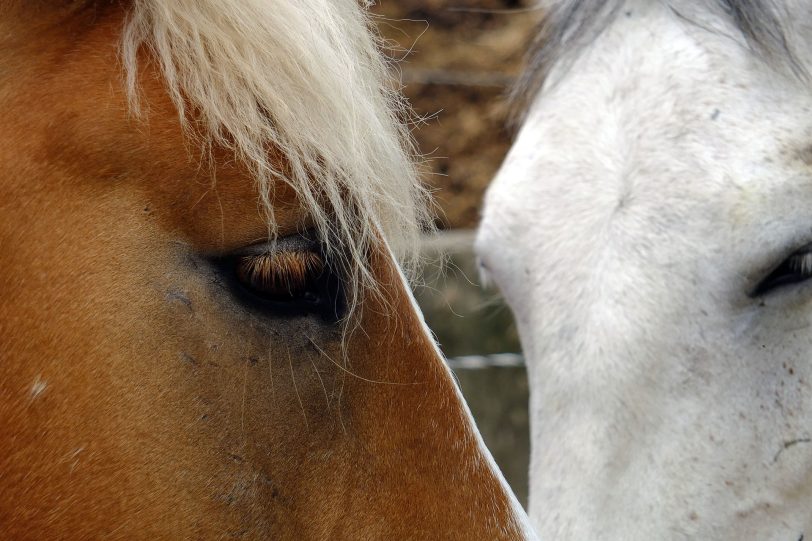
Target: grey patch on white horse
{"type": "Point", "coordinates": [787, 445]}
{"type": "Point", "coordinates": [805, 155]}
{"type": "Point", "coordinates": [569, 26]}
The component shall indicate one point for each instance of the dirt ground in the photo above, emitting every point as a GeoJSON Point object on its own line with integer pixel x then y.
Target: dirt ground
{"type": "Point", "coordinates": [458, 60]}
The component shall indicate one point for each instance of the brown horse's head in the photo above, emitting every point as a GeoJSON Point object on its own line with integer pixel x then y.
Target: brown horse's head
{"type": "Point", "coordinates": [203, 330]}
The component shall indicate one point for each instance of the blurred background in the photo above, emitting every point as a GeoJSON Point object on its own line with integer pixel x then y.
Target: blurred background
{"type": "Point", "coordinates": [459, 59]}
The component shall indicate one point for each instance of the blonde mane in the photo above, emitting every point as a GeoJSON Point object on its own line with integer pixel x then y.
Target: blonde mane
{"type": "Point", "coordinates": [303, 78]}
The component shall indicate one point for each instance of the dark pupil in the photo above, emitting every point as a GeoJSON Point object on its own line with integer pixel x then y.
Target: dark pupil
{"type": "Point", "coordinates": [288, 283]}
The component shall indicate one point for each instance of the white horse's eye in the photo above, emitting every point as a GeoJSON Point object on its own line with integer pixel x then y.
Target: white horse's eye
{"type": "Point", "coordinates": [796, 268]}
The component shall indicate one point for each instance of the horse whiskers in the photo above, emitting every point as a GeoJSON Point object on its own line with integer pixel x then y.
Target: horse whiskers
{"type": "Point", "coordinates": [270, 373]}
{"type": "Point", "coordinates": [338, 402]}
{"type": "Point", "coordinates": [323, 386]}
{"type": "Point", "coordinates": [362, 378]}
{"type": "Point", "coordinates": [242, 405]}
{"type": "Point", "coordinates": [296, 389]}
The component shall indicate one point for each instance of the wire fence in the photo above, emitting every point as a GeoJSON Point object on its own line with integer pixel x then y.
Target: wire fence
{"type": "Point", "coordinates": [494, 360]}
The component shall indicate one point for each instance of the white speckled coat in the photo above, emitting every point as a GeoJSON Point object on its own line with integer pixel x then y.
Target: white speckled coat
{"type": "Point", "coordinates": [657, 180]}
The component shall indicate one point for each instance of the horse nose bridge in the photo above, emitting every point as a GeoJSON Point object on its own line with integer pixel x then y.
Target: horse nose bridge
{"type": "Point", "coordinates": [422, 453]}
{"type": "Point", "coordinates": [600, 305]}
{"type": "Point", "coordinates": [597, 270]}
{"type": "Point", "coordinates": [507, 210]}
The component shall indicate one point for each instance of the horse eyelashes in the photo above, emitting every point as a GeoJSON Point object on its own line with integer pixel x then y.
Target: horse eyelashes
{"type": "Point", "coordinates": [801, 263]}
{"type": "Point", "coordinates": [285, 275]}
{"type": "Point", "coordinates": [290, 277]}
{"type": "Point", "coordinates": [794, 269]}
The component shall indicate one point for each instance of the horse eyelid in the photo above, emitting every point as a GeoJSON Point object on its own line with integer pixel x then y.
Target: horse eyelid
{"type": "Point", "coordinates": [279, 271]}
{"type": "Point", "coordinates": [291, 243]}
{"type": "Point", "coordinates": [793, 269]}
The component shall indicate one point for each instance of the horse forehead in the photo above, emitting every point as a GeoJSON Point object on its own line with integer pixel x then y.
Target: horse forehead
{"type": "Point", "coordinates": [83, 127]}
{"type": "Point", "coordinates": [658, 119]}
{"type": "Point", "coordinates": [661, 148]}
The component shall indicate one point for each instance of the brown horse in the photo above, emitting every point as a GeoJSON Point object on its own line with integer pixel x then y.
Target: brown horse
{"type": "Point", "coordinates": [204, 331]}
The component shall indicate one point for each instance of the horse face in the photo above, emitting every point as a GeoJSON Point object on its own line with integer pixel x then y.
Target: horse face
{"type": "Point", "coordinates": [634, 228]}
{"type": "Point", "coordinates": [152, 388]}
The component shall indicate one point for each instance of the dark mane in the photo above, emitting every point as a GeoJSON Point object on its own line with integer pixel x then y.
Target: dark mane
{"type": "Point", "coordinates": [570, 25]}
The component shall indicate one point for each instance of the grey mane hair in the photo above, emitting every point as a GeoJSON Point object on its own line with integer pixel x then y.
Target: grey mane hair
{"type": "Point", "coordinates": [568, 26]}
{"type": "Point", "coordinates": [308, 80]}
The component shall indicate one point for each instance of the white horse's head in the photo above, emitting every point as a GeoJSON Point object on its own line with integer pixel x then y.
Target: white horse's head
{"type": "Point", "coordinates": [651, 231]}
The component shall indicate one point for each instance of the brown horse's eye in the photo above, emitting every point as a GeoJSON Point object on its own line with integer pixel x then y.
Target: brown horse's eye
{"type": "Point", "coordinates": [282, 276]}
{"type": "Point", "coordinates": [287, 278]}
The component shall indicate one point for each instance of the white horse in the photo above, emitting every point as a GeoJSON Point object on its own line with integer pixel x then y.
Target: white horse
{"type": "Point", "coordinates": [651, 230]}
